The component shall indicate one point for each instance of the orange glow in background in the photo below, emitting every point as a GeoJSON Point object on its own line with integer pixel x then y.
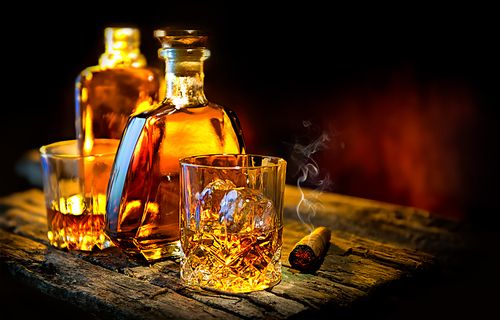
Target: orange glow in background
{"type": "Point", "coordinates": [398, 138]}
{"type": "Point", "coordinates": [427, 141]}
{"type": "Point", "coordinates": [406, 142]}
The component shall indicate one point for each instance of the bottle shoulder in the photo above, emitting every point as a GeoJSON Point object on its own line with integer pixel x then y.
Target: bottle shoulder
{"type": "Point", "coordinates": [209, 110]}
{"type": "Point", "coordinates": [150, 74]}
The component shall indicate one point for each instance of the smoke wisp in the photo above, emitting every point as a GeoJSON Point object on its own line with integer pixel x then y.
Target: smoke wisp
{"type": "Point", "coordinates": [309, 171]}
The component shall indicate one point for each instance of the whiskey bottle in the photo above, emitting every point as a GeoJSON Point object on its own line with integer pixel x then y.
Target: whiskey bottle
{"type": "Point", "coordinates": [143, 192]}
{"type": "Point", "coordinates": [120, 85]}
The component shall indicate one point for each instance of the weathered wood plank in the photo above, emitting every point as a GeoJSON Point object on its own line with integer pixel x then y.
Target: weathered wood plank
{"type": "Point", "coordinates": [256, 305]}
{"type": "Point", "coordinates": [110, 284]}
{"type": "Point", "coordinates": [24, 213]}
{"type": "Point", "coordinates": [358, 267]}
{"type": "Point", "coordinates": [387, 223]}
{"type": "Point", "coordinates": [94, 289]}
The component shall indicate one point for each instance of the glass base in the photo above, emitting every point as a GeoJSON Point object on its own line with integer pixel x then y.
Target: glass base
{"type": "Point", "coordinates": [242, 287]}
{"type": "Point", "coordinates": [156, 252]}
{"type": "Point", "coordinates": [195, 274]}
{"type": "Point", "coordinates": [83, 242]}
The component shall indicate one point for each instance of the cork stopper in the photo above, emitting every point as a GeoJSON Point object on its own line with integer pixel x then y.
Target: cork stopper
{"type": "Point", "coordinates": [182, 38]}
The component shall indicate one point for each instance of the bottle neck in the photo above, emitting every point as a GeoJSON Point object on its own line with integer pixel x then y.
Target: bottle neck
{"type": "Point", "coordinates": [122, 49]}
{"type": "Point", "coordinates": [184, 76]}
{"type": "Point", "coordinates": [121, 58]}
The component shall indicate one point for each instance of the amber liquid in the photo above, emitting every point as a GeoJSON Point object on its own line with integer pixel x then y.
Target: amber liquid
{"type": "Point", "coordinates": [238, 262]}
{"type": "Point", "coordinates": [76, 232]}
{"type": "Point", "coordinates": [143, 205]}
{"type": "Point", "coordinates": [107, 97]}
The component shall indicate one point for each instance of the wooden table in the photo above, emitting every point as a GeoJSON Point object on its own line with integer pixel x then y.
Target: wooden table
{"type": "Point", "coordinates": [377, 250]}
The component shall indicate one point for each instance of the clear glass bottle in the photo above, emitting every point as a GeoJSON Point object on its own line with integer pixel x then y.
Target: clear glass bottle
{"type": "Point", "coordinates": [108, 93]}
{"type": "Point", "coordinates": [143, 193]}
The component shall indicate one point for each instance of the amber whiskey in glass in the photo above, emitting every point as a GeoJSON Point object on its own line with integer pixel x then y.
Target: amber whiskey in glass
{"type": "Point", "coordinates": [143, 194]}
{"type": "Point", "coordinates": [120, 85]}
{"type": "Point", "coordinates": [232, 221]}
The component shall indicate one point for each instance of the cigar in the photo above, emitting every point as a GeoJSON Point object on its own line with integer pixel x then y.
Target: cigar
{"type": "Point", "coordinates": [308, 251]}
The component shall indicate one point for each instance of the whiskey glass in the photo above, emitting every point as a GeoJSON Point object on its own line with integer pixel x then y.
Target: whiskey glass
{"type": "Point", "coordinates": [75, 188]}
{"type": "Point", "coordinates": [231, 219]}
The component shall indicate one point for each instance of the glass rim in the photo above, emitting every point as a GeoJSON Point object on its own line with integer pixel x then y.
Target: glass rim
{"type": "Point", "coordinates": [279, 161]}
{"type": "Point", "coordinates": [48, 150]}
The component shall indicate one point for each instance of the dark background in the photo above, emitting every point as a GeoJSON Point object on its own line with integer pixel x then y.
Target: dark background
{"type": "Point", "coordinates": [406, 93]}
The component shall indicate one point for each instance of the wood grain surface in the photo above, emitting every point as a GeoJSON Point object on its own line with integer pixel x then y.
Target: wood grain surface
{"type": "Point", "coordinates": [356, 272]}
